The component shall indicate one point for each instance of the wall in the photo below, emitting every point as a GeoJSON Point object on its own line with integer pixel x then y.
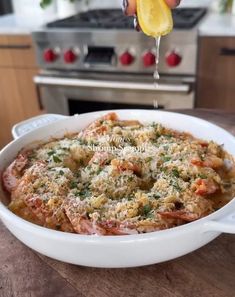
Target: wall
{"type": "Point", "coordinates": [105, 3]}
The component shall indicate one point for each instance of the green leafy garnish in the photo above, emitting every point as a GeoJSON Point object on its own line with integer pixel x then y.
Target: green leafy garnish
{"type": "Point", "coordinates": [149, 159]}
{"type": "Point", "coordinates": [51, 153]}
{"type": "Point", "coordinates": [203, 176]}
{"type": "Point", "coordinates": [166, 158]}
{"type": "Point", "coordinates": [156, 196]}
{"type": "Point", "coordinates": [73, 184]}
{"type": "Point", "coordinates": [175, 172]}
{"type": "Point", "coordinates": [56, 159]}
{"type": "Point", "coordinates": [176, 186]}
{"type": "Point", "coordinates": [83, 194]}
{"type": "Point", "coordinates": [146, 209]}
{"type": "Point", "coordinates": [168, 135]}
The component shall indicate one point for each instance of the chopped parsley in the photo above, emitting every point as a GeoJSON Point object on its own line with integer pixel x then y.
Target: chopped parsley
{"type": "Point", "coordinates": [149, 159]}
{"type": "Point", "coordinates": [168, 135]}
{"type": "Point", "coordinates": [73, 184]}
{"type": "Point", "coordinates": [176, 186]}
{"type": "Point", "coordinates": [156, 196]}
{"type": "Point", "coordinates": [146, 209]}
{"type": "Point", "coordinates": [203, 176]}
{"type": "Point", "coordinates": [83, 194]}
{"type": "Point", "coordinates": [56, 159]}
{"type": "Point", "coordinates": [130, 178]}
{"type": "Point", "coordinates": [175, 172]}
{"type": "Point", "coordinates": [166, 158]}
{"type": "Point", "coordinates": [51, 153]}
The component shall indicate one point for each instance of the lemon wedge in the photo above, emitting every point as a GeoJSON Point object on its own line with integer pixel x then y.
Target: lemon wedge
{"type": "Point", "coordinates": [154, 17]}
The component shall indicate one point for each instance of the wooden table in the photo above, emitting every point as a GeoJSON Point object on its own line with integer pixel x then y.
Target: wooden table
{"type": "Point", "coordinates": [210, 271]}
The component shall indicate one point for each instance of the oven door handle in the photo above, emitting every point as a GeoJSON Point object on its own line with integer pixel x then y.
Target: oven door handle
{"type": "Point", "coordinates": [103, 84]}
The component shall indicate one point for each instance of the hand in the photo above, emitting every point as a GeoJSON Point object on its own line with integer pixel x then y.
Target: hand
{"type": "Point", "coordinates": [129, 6]}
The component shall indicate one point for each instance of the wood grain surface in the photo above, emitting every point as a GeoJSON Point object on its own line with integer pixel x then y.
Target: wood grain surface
{"type": "Point", "coordinates": [209, 271]}
{"type": "Point", "coordinates": [215, 81]}
{"type": "Point", "coordinates": [18, 94]}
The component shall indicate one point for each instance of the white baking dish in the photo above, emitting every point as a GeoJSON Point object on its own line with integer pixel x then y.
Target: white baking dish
{"type": "Point", "coordinates": [120, 251]}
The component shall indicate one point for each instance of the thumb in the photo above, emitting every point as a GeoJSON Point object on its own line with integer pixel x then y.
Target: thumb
{"type": "Point", "coordinates": [172, 3]}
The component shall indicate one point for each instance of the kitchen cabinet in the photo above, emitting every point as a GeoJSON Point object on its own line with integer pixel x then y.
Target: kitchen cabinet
{"type": "Point", "coordinates": [18, 95]}
{"type": "Point", "coordinates": [216, 73]}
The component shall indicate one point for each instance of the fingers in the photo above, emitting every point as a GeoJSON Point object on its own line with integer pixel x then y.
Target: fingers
{"type": "Point", "coordinates": [172, 3]}
{"type": "Point", "coordinates": [129, 7]}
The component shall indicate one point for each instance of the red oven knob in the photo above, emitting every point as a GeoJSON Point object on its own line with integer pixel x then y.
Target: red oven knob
{"type": "Point", "coordinates": [173, 59]}
{"type": "Point", "coordinates": [149, 59]}
{"type": "Point", "coordinates": [126, 59]}
{"type": "Point", "coordinates": [49, 56]}
{"type": "Point", "coordinates": [70, 57]}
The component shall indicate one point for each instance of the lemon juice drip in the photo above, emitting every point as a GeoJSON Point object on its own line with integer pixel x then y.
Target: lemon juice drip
{"type": "Point", "coordinates": [156, 75]}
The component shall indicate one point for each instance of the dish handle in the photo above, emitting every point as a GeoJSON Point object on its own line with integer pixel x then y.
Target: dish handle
{"type": "Point", "coordinates": [224, 225]}
{"type": "Point", "coordinates": [31, 124]}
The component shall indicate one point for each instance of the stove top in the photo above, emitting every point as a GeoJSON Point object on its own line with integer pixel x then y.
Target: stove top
{"type": "Point", "coordinates": [96, 19]}
{"type": "Point", "coordinates": [184, 18]}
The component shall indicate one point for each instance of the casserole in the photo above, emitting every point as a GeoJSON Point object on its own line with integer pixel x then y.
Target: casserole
{"type": "Point", "coordinates": [120, 251]}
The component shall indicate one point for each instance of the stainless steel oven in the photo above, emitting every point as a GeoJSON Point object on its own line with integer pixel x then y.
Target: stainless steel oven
{"type": "Point", "coordinates": [87, 92]}
{"type": "Point", "coordinates": [96, 60]}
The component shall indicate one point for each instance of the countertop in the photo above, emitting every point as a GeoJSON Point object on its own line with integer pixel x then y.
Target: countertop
{"type": "Point", "coordinates": [212, 25]}
{"type": "Point", "coordinates": [217, 25]}
{"type": "Point", "coordinates": [206, 272]}
{"type": "Point", "coordinates": [15, 24]}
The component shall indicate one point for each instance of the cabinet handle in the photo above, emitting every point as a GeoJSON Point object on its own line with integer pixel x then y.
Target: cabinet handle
{"type": "Point", "coordinates": [15, 46]}
{"type": "Point", "coordinates": [224, 51]}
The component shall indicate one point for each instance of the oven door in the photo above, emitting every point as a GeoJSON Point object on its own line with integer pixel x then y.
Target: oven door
{"type": "Point", "coordinates": [69, 95]}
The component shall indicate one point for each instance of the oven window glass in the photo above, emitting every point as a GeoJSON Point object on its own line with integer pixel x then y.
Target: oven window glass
{"type": "Point", "coordinates": [80, 106]}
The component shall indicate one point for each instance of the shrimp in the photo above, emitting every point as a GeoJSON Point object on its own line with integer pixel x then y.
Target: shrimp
{"type": "Point", "coordinates": [100, 158]}
{"type": "Point", "coordinates": [49, 213]}
{"type": "Point", "coordinates": [211, 162]}
{"type": "Point", "coordinates": [180, 214]}
{"type": "Point", "coordinates": [78, 219]}
{"type": "Point", "coordinates": [97, 128]}
{"type": "Point", "coordinates": [122, 165]}
{"type": "Point", "coordinates": [77, 215]}
{"type": "Point", "coordinates": [205, 187]}
{"type": "Point", "coordinates": [13, 173]}
{"type": "Point", "coordinates": [114, 227]}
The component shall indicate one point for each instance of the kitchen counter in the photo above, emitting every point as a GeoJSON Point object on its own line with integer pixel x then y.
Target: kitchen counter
{"type": "Point", "coordinates": [213, 25]}
{"type": "Point", "coordinates": [217, 25]}
{"type": "Point", "coordinates": [15, 24]}
{"type": "Point", "coordinates": [207, 272]}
